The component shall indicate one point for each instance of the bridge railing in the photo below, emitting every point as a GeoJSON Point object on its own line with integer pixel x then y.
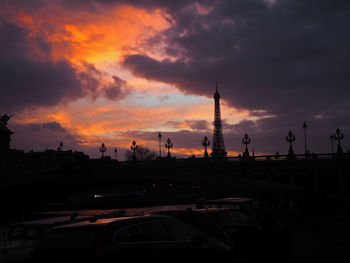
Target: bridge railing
{"type": "Point", "coordinates": [262, 158]}
{"type": "Point", "coordinates": [283, 157]}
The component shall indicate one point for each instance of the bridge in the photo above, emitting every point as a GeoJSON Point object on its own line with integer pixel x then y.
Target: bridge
{"type": "Point", "coordinates": [75, 183]}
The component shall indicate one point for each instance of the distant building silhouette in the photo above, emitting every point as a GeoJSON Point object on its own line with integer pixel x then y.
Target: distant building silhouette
{"type": "Point", "coordinates": [218, 150]}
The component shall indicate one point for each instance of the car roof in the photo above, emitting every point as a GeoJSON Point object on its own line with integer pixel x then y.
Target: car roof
{"type": "Point", "coordinates": [174, 212]}
{"type": "Point", "coordinates": [197, 211]}
{"type": "Point", "coordinates": [217, 209]}
{"type": "Point", "coordinates": [50, 221]}
{"type": "Point", "coordinates": [105, 222]}
{"type": "Point", "coordinates": [230, 200]}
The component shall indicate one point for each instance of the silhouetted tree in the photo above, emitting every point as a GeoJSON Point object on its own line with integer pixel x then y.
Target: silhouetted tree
{"type": "Point", "coordinates": [142, 153]}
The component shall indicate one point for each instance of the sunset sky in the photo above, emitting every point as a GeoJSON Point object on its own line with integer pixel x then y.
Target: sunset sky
{"type": "Point", "coordinates": [87, 72]}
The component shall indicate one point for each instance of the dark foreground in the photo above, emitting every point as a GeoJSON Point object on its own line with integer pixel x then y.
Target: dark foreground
{"type": "Point", "coordinates": [313, 235]}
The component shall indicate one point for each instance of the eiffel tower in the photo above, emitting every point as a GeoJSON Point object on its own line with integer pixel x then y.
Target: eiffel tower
{"type": "Point", "coordinates": [218, 145]}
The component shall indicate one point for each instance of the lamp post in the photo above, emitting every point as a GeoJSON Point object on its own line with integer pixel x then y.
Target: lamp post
{"type": "Point", "coordinates": [168, 145]}
{"type": "Point", "coordinates": [339, 136]}
{"type": "Point", "coordinates": [332, 137]}
{"type": "Point", "coordinates": [60, 148]}
{"type": "Point", "coordinates": [246, 140]}
{"type": "Point", "coordinates": [205, 144]}
{"type": "Point", "coordinates": [305, 128]}
{"type": "Point", "coordinates": [290, 138]}
{"type": "Point", "coordinates": [103, 149]}
{"type": "Point", "coordinates": [115, 153]}
{"type": "Point", "coordinates": [160, 144]}
{"type": "Point", "coordinates": [133, 147]}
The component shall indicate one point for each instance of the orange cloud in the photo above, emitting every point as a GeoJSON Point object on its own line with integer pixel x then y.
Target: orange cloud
{"type": "Point", "coordinates": [93, 37]}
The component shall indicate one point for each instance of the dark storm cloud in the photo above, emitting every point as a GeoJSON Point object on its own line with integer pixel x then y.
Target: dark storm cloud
{"type": "Point", "coordinates": [286, 62]}
{"type": "Point", "coordinates": [92, 79]}
{"type": "Point", "coordinates": [202, 125]}
{"type": "Point", "coordinates": [41, 136]}
{"type": "Point", "coordinates": [290, 54]}
{"type": "Point", "coordinates": [30, 78]}
{"type": "Point", "coordinates": [239, 128]}
{"type": "Point", "coordinates": [27, 83]}
{"type": "Point", "coordinates": [27, 80]}
{"type": "Point", "coordinates": [116, 90]}
{"type": "Point", "coordinates": [53, 126]}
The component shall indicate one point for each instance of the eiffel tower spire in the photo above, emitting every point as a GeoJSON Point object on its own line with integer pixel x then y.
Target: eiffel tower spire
{"type": "Point", "coordinates": [218, 145]}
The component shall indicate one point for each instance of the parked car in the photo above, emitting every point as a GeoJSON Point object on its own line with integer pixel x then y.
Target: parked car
{"type": "Point", "coordinates": [275, 236]}
{"type": "Point", "coordinates": [242, 229]}
{"type": "Point", "coordinates": [200, 221]}
{"type": "Point", "coordinates": [232, 220]}
{"type": "Point", "coordinates": [263, 236]}
{"type": "Point", "coordinates": [24, 236]}
{"type": "Point", "coordinates": [245, 204]}
{"type": "Point", "coordinates": [153, 237]}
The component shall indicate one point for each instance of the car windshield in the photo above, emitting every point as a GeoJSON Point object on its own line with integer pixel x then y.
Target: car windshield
{"type": "Point", "coordinates": [195, 220]}
{"type": "Point", "coordinates": [144, 232]}
{"type": "Point", "coordinates": [229, 217]}
{"type": "Point", "coordinates": [159, 230]}
{"type": "Point", "coordinates": [181, 231]}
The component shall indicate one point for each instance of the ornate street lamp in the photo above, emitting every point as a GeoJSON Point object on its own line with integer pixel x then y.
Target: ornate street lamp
{"type": "Point", "coordinates": [160, 144]}
{"type": "Point", "coordinates": [205, 144]}
{"type": "Point", "coordinates": [290, 138]}
{"type": "Point", "coordinates": [339, 136]}
{"type": "Point", "coordinates": [246, 140]}
{"type": "Point", "coordinates": [60, 148]}
{"type": "Point", "coordinates": [133, 147]}
{"type": "Point", "coordinates": [115, 153]}
{"type": "Point", "coordinates": [168, 145]}
{"type": "Point", "coordinates": [332, 137]}
{"type": "Point", "coordinates": [103, 149]}
{"type": "Point", "coordinates": [305, 128]}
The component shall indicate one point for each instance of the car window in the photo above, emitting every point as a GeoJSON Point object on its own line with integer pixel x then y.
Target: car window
{"type": "Point", "coordinates": [226, 218]}
{"type": "Point", "coordinates": [144, 232]}
{"type": "Point", "coordinates": [17, 233]}
{"type": "Point", "coordinates": [181, 231]}
{"type": "Point", "coordinates": [245, 218]}
{"type": "Point", "coordinates": [195, 219]}
{"type": "Point", "coordinates": [131, 234]}
{"type": "Point", "coordinates": [203, 221]}
{"type": "Point", "coordinates": [157, 231]}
